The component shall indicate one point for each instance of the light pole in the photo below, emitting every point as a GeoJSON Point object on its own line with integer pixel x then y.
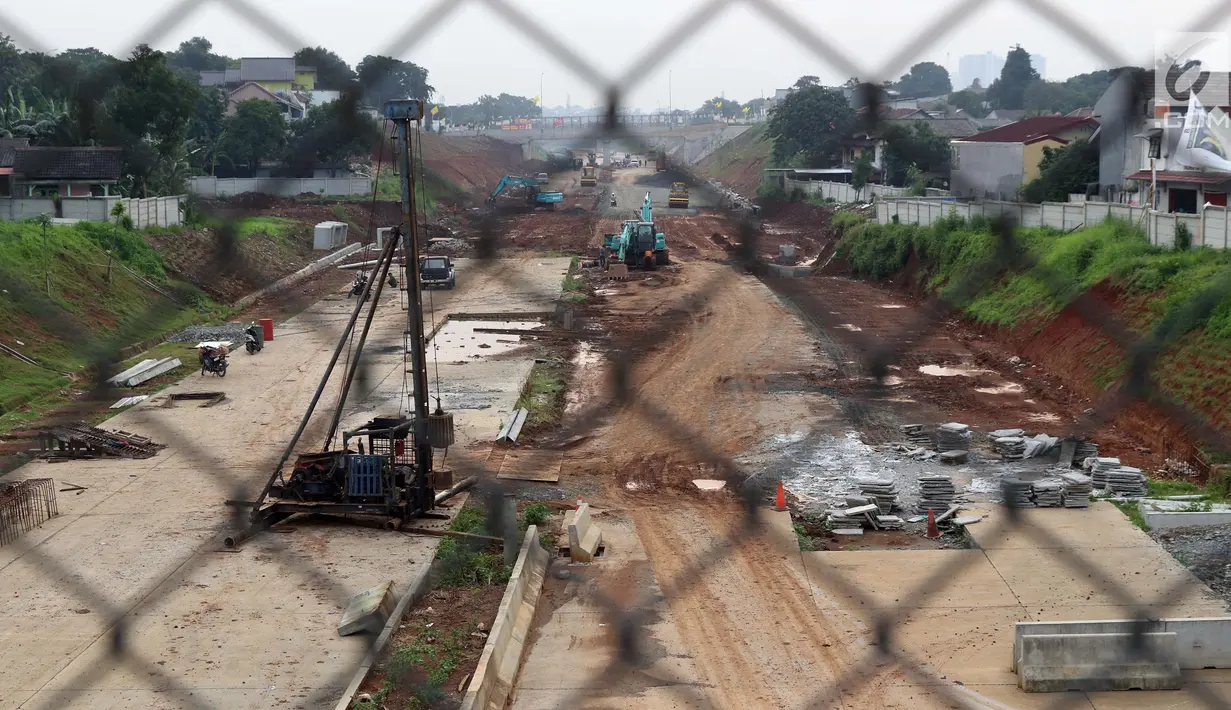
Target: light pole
{"type": "Point", "coordinates": [542, 103]}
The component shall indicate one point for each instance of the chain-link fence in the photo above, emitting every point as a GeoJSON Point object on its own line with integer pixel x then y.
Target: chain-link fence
{"type": "Point", "coordinates": [874, 356]}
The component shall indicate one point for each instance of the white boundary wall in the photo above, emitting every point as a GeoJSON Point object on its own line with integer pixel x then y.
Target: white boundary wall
{"type": "Point", "coordinates": [1212, 229]}
{"type": "Point", "coordinates": [212, 187]}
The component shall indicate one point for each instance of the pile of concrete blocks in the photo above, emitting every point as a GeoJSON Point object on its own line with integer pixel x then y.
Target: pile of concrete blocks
{"type": "Point", "coordinates": [937, 493]}
{"type": "Point", "coordinates": [952, 437]}
{"type": "Point", "coordinates": [1048, 492]}
{"type": "Point", "coordinates": [881, 491]}
{"type": "Point", "coordinates": [1127, 481]}
{"type": "Point", "coordinates": [1077, 490]}
{"type": "Point", "coordinates": [917, 436]}
{"type": "Point", "coordinates": [1098, 468]}
{"type": "Point", "coordinates": [584, 537]}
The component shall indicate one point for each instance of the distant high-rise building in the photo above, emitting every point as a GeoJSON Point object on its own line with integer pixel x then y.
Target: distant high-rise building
{"type": "Point", "coordinates": [984, 67]}
{"type": "Point", "coordinates": [1039, 62]}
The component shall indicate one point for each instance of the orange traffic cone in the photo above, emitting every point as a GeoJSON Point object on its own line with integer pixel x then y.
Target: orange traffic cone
{"type": "Point", "coordinates": [780, 503]}
{"type": "Point", "coordinates": [933, 531]}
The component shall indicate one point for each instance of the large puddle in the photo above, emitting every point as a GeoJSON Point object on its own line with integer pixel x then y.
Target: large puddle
{"type": "Point", "coordinates": [458, 340]}
{"type": "Point", "coordinates": [588, 376]}
{"type": "Point", "coordinates": [952, 370]}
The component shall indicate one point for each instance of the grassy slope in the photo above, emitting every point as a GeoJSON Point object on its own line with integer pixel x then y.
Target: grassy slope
{"type": "Point", "coordinates": [1156, 291]}
{"type": "Point", "coordinates": [738, 164]}
{"type": "Point", "coordinates": [85, 319]}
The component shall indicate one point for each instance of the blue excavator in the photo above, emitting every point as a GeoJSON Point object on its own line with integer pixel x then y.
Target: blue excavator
{"type": "Point", "coordinates": [639, 244]}
{"type": "Point", "coordinates": [534, 196]}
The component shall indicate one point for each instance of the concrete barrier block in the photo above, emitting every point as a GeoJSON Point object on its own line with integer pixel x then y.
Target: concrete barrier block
{"type": "Point", "coordinates": [1163, 520]}
{"type": "Point", "coordinates": [1201, 642]}
{"type": "Point", "coordinates": [497, 669]}
{"type": "Point", "coordinates": [368, 610]}
{"type": "Point", "coordinates": [584, 536]}
{"type": "Point", "coordinates": [1053, 663]}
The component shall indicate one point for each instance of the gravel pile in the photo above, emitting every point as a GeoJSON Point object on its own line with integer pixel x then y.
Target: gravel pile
{"type": "Point", "coordinates": [199, 333]}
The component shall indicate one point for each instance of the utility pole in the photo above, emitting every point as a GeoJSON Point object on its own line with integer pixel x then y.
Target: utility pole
{"type": "Point", "coordinates": [402, 112]}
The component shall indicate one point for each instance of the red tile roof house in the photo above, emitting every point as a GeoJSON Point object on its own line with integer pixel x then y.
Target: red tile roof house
{"type": "Point", "coordinates": [995, 164]}
{"type": "Point", "coordinates": [68, 172]}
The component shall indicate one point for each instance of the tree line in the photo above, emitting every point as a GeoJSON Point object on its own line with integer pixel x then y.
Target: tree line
{"type": "Point", "coordinates": [152, 105]}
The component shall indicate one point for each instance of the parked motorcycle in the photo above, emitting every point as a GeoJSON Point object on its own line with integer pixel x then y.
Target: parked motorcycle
{"type": "Point", "coordinates": [357, 286]}
{"type": "Point", "coordinates": [253, 341]}
{"type": "Point", "coordinates": [214, 360]}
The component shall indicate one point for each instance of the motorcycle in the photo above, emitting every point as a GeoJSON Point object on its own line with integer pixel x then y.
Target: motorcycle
{"type": "Point", "coordinates": [356, 287]}
{"type": "Point", "coordinates": [214, 360]}
{"type": "Point", "coordinates": [253, 342]}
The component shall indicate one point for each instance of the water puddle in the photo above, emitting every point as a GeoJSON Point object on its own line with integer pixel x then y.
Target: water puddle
{"type": "Point", "coordinates": [1043, 417]}
{"type": "Point", "coordinates": [588, 377]}
{"type": "Point", "coordinates": [851, 327]}
{"type": "Point", "coordinates": [951, 370]}
{"type": "Point", "coordinates": [709, 484]}
{"type": "Point", "coordinates": [891, 305]}
{"type": "Point", "coordinates": [458, 341]}
{"type": "Point", "coordinates": [1007, 388]}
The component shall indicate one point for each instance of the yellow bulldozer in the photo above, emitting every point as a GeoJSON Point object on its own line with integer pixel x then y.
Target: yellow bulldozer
{"type": "Point", "coordinates": [678, 196]}
{"type": "Point", "coordinates": [589, 176]}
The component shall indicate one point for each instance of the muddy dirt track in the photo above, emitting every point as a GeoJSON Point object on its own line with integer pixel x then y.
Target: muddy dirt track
{"type": "Point", "coordinates": [752, 628]}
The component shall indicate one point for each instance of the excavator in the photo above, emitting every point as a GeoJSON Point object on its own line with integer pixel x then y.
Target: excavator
{"type": "Point", "coordinates": [534, 196]}
{"type": "Point", "coordinates": [639, 244]}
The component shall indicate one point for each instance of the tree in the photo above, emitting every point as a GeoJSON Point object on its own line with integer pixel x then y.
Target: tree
{"type": "Point", "coordinates": [332, 73]}
{"type": "Point", "coordinates": [1063, 171]}
{"type": "Point", "coordinates": [976, 86]}
{"type": "Point", "coordinates": [850, 83]}
{"type": "Point", "coordinates": [925, 79]}
{"type": "Point", "coordinates": [808, 127]}
{"type": "Point", "coordinates": [331, 134]}
{"type": "Point", "coordinates": [205, 130]}
{"type": "Point", "coordinates": [13, 67]}
{"type": "Point", "coordinates": [197, 55]}
{"type": "Point", "coordinates": [386, 78]}
{"type": "Point", "coordinates": [915, 144]}
{"type": "Point", "coordinates": [150, 110]}
{"type": "Point", "coordinates": [1009, 91]}
{"type": "Point", "coordinates": [861, 171]}
{"type": "Point", "coordinates": [257, 131]}
{"type": "Point", "coordinates": [718, 106]}
{"type": "Point", "coordinates": [808, 81]}
{"type": "Point", "coordinates": [970, 102]}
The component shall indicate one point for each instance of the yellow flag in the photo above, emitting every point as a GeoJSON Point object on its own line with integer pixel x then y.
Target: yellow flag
{"type": "Point", "coordinates": [718, 104]}
{"type": "Point", "coordinates": [536, 100]}
{"type": "Point", "coordinates": [746, 109]}
{"type": "Point", "coordinates": [436, 110]}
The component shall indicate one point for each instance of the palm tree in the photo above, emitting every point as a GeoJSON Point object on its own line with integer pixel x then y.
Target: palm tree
{"type": "Point", "coordinates": [37, 122]}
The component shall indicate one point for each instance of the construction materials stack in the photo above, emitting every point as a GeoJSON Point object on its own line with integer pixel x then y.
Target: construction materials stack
{"type": "Point", "coordinates": [881, 491]}
{"type": "Point", "coordinates": [1127, 481]}
{"type": "Point", "coordinates": [917, 436]}
{"type": "Point", "coordinates": [1048, 492]}
{"type": "Point", "coordinates": [1077, 490]}
{"type": "Point", "coordinates": [1098, 468]}
{"type": "Point", "coordinates": [1018, 493]}
{"type": "Point", "coordinates": [936, 493]}
{"type": "Point", "coordinates": [1085, 449]}
{"type": "Point", "coordinates": [952, 437]}
{"type": "Point", "coordinates": [1010, 447]}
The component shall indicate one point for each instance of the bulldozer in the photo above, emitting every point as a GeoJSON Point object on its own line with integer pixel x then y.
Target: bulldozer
{"type": "Point", "coordinates": [678, 196]}
{"type": "Point", "coordinates": [589, 176]}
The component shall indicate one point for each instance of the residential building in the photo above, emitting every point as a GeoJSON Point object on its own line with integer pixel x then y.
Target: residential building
{"type": "Point", "coordinates": [293, 104]}
{"type": "Point", "coordinates": [995, 164]}
{"type": "Point", "coordinates": [984, 67]}
{"type": "Point", "coordinates": [273, 74]}
{"type": "Point", "coordinates": [27, 171]}
{"type": "Point", "coordinates": [1137, 147]}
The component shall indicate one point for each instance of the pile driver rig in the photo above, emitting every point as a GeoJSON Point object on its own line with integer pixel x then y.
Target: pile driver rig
{"type": "Point", "coordinates": [383, 468]}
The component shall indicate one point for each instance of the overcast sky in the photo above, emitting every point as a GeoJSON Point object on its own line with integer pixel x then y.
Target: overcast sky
{"type": "Point", "coordinates": [739, 53]}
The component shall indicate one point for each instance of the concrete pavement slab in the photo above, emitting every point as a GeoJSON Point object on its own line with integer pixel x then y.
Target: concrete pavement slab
{"type": "Point", "coordinates": [972, 645]}
{"type": "Point", "coordinates": [890, 578]}
{"type": "Point", "coordinates": [1100, 525]}
{"type": "Point", "coordinates": [1040, 578]}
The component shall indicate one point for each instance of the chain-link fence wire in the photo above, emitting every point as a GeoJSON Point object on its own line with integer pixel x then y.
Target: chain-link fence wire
{"type": "Point", "coordinates": [865, 408]}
